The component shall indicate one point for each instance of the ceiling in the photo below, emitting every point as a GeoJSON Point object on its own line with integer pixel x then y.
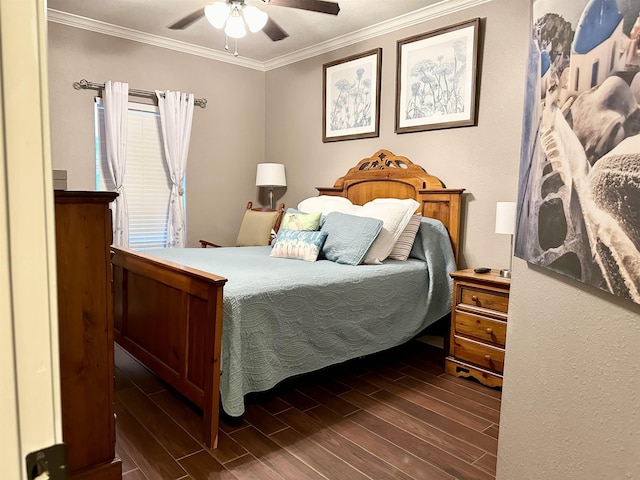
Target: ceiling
{"type": "Point", "coordinates": [310, 33]}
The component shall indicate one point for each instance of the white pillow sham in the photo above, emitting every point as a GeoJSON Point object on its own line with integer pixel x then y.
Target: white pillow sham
{"type": "Point", "coordinates": [325, 204]}
{"type": "Point", "coordinates": [395, 215]}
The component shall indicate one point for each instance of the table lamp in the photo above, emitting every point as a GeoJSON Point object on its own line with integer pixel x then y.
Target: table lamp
{"type": "Point", "coordinates": [506, 224]}
{"type": "Point", "coordinates": [270, 175]}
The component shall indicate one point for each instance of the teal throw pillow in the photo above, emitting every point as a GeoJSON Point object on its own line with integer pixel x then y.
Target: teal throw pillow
{"type": "Point", "coordinates": [298, 244]}
{"type": "Point", "coordinates": [349, 237]}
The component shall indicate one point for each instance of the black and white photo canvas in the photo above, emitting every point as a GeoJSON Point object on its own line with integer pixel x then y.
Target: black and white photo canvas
{"type": "Point", "coordinates": [579, 183]}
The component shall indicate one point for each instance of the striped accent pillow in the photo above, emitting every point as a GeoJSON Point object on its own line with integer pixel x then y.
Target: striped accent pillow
{"type": "Point", "coordinates": [402, 247]}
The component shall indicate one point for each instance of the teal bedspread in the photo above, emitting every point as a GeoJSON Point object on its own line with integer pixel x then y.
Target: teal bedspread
{"type": "Point", "coordinates": [286, 317]}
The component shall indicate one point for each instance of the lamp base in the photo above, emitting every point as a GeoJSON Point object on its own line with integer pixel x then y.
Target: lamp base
{"type": "Point", "coordinates": [505, 272]}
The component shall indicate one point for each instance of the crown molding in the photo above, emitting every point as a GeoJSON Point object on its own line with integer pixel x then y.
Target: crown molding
{"type": "Point", "coordinates": [97, 26]}
{"type": "Point", "coordinates": [440, 9]}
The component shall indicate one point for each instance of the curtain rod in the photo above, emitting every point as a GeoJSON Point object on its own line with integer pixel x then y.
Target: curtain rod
{"type": "Point", "coordinates": [83, 84]}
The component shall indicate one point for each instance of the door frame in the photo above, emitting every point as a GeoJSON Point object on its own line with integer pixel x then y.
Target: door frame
{"type": "Point", "coordinates": [30, 394]}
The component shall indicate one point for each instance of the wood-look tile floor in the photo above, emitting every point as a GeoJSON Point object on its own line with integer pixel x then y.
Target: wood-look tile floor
{"type": "Point", "coordinates": [394, 415]}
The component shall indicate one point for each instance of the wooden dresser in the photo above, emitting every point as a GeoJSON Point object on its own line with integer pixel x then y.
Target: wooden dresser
{"type": "Point", "coordinates": [478, 326]}
{"type": "Point", "coordinates": [85, 320]}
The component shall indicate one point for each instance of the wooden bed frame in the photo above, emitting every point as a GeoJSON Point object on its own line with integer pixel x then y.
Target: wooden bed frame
{"type": "Point", "coordinates": [170, 317]}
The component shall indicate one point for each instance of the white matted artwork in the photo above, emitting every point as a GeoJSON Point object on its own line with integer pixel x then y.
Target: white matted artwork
{"type": "Point", "coordinates": [579, 185]}
{"type": "Point", "coordinates": [436, 80]}
{"type": "Point", "coordinates": [351, 97]}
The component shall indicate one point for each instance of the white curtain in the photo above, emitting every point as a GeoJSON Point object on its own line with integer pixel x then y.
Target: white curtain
{"type": "Point", "coordinates": [176, 114]}
{"type": "Point", "coordinates": [116, 96]}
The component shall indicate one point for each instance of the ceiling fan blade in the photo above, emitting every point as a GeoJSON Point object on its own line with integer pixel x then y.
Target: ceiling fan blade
{"type": "Point", "coordinates": [322, 6]}
{"type": "Point", "coordinates": [188, 20]}
{"type": "Point", "coordinates": [274, 31]}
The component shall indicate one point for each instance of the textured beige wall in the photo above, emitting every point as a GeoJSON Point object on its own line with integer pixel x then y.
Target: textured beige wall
{"type": "Point", "coordinates": [227, 138]}
{"type": "Point", "coordinates": [570, 398]}
{"type": "Point", "coordinates": [483, 159]}
{"type": "Point", "coordinates": [570, 405]}
{"type": "Point", "coordinates": [570, 401]}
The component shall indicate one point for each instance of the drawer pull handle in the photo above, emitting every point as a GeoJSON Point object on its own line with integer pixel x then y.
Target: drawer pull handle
{"type": "Point", "coordinates": [487, 358]}
{"type": "Point", "coordinates": [489, 331]}
{"type": "Point", "coordinates": [474, 298]}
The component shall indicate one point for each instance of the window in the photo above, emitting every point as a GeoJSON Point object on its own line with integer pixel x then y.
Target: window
{"type": "Point", "coordinates": [146, 178]}
{"type": "Point", "coordinates": [613, 57]}
{"type": "Point", "coordinates": [594, 73]}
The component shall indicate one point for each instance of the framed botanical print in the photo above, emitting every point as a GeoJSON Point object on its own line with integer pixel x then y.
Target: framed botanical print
{"type": "Point", "coordinates": [436, 79]}
{"type": "Point", "coordinates": [351, 97]}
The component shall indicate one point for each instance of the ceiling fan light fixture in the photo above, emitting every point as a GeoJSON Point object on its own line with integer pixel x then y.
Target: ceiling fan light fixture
{"type": "Point", "coordinates": [235, 25]}
{"type": "Point", "coordinates": [217, 13]}
{"type": "Point", "coordinates": [256, 19]}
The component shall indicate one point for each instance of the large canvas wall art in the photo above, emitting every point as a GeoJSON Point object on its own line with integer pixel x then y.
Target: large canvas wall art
{"type": "Point", "coordinates": [579, 183]}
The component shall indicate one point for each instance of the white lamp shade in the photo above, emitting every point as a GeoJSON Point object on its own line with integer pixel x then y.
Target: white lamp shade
{"type": "Point", "coordinates": [506, 217]}
{"type": "Point", "coordinates": [270, 175]}
{"type": "Point", "coordinates": [256, 19]}
{"type": "Point", "coordinates": [235, 25]}
{"type": "Point", "coordinates": [217, 14]}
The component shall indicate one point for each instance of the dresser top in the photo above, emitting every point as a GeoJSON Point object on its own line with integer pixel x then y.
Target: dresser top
{"type": "Point", "coordinates": [491, 277]}
{"type": "Point", "coordinates": [73, 196]}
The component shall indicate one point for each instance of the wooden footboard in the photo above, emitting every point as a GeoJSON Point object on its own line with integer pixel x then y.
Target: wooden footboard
{"type": "Point", "coordinates": [170, 318]}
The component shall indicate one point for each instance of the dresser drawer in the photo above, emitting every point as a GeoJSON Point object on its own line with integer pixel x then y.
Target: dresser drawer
{"type": "Point", "coordinates": [482, 328]}
{"type": "Point", "coordinates": [480, 354]}
{"type": "Point", "coordinates": [470, 295]}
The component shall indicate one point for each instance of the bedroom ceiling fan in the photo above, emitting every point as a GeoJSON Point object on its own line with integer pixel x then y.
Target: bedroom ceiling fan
{"type": "Point", "coordinates": [235, 15]}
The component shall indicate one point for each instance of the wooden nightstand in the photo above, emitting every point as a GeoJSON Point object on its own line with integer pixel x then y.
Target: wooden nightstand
{"type": "Point", "coordinates": [478, 326]}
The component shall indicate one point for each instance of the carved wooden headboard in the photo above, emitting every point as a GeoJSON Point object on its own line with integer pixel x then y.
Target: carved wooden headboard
{"type": "Point", "coordinates": [385, 175]}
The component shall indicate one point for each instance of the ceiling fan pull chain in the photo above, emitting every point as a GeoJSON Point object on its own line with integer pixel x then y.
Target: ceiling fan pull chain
{"type": "Point", "coordinates": [226, 42]}
{"type": "Point", "coordinates": [235, 54]}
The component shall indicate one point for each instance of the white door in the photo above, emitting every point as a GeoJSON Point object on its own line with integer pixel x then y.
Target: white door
{"type": "Point", "coordinates": [29, 382]}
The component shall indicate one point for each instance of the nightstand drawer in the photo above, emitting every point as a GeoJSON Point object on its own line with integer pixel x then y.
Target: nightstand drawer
{"type": "Point", "coordinates": [482, 328]}
{"type": "Point", "coordinates": [469, 295]}
{"type": "Point", "coordinates": [478, 353]}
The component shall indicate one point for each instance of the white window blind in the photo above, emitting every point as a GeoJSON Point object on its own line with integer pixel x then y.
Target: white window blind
{"type": "Point", "coordinates": [146, 178]}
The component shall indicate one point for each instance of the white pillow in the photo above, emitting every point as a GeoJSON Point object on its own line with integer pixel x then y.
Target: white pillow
{"type": "Point", "coordinates": [325, 204]}
{"type": "Point", "coordinates": [395, 215]}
